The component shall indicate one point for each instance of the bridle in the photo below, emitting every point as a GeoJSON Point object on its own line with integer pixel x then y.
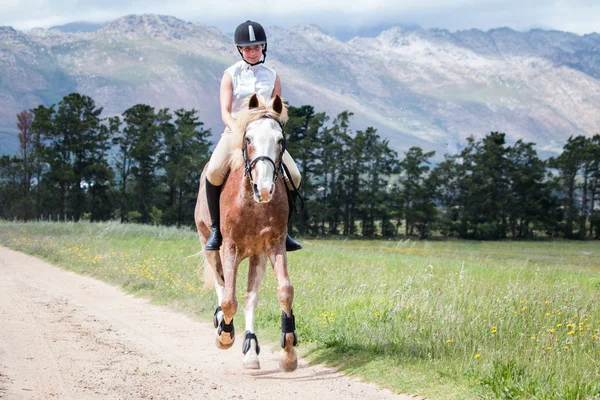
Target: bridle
{"type": "Point", "coordinates": [248, 165]}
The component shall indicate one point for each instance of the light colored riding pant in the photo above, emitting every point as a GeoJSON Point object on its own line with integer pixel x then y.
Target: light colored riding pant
{"type": "Point", "coordinates": [218, 166]}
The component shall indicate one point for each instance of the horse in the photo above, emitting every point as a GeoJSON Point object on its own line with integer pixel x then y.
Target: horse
{"type": "Point", "coordinates": [254, 210]}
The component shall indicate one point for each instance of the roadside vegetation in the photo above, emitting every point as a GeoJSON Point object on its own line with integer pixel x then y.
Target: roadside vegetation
{"type": "Point", "coordinates": [144, 166]}
{"type": "Point", "coordinates": [440, 319]}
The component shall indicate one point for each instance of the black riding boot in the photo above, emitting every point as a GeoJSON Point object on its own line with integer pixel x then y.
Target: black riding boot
{"type": "Point", "coordinates": [291, 244]}
{"type": "Point", "coordinates": [213, 196]}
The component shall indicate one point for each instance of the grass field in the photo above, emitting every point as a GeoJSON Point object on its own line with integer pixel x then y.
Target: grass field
{"type": "Point", "coordinates": [444, 320]}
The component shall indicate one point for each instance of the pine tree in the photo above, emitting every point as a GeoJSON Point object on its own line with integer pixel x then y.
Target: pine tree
{"type": "Point", "coordinates": [143, 144]}
{"type": "Point", "coordinates": [302, 133]}
{"type": "Point", "coordinates": [418, 193]}
{"type": "Point", "coordinates": [186, 152]}
{"type": "Point", "coordinates": [569, 164]}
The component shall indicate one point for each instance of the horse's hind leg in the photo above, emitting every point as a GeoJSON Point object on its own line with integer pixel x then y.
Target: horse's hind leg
{"type": "Point", "coordinates": [256, 273]}
{"type": "Point", "coordinates": [285, 293]}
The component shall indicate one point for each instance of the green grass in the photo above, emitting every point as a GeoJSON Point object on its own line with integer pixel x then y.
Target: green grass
{"type": "Point", "coordinates": [445, 320]}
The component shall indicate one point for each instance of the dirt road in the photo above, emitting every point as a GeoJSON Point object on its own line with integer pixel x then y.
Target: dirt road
{"type": "Point", "coordinates": [66, 336]}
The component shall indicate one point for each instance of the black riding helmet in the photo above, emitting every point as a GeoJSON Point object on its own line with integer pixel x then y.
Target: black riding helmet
{"type": "Point", "coordinates": [251, 33]}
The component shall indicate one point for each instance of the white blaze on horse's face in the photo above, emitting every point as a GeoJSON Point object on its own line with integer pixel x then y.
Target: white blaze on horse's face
{"type": "Point", "coordinates": [264, 138]}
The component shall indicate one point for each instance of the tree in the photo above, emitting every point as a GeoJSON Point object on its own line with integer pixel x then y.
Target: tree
{"type": "Point", "coordinates": [418, 192]}
{"type": "Point", "coordinates": [42, 128]}
{"type": "Point", "coordinates": [594, 181]}
{"type": "Point", "coordinates": [333, 142]}
{"type": "Point", "coordinates": [186, 152]}
{"type": "Point", "coordinates": [352, 168]}
{"type": "Point", "coordinates": [75, 142]}
{"type": "Point", "coordinates": [26, 147]}
{"type": "Point", "coordinates": [27, 157]}
{"type": "Point", "coordinates": [11, 187]}
{"type": "Point", "coordinates": [450, 178]}
{"type": "Point", "coordinates": [143, 140]}
{"type": "Point", "coordinates": [568, 164]}
{"type": "Point", "coordinates": [530, 194]}
{"type": "Point", "coordinates": [380, 163]}
{"type": "Point", "coordinates": [124, 140]}
{"type": "Point", "coordinates": [302, 132]}
{"type": "Point", "coordinates": [91, 142]}
{"type": "Point", "coordinates": [478, 193]}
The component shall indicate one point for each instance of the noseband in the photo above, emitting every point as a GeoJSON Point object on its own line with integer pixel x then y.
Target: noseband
{"type": "Point", "coordinates": [248, 165]}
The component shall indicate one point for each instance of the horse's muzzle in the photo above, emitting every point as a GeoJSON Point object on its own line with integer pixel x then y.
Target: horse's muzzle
{"type": "Point", "coordinates": [263, 194]}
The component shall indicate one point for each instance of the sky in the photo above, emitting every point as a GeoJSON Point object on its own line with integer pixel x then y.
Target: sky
{"type": "Point", "coordinates": [344, 17]}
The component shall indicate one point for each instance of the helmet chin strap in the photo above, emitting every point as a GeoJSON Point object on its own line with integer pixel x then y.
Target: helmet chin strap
{"type": "Point", "coordinates": [261, 61]}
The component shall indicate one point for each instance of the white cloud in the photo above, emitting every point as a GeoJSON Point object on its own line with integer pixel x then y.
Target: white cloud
{"type": "Point", "coordinates": [579, 16]}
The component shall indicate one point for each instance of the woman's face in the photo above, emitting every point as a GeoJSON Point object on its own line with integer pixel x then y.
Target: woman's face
{"type": "Point", "coordinates": [252, 54]}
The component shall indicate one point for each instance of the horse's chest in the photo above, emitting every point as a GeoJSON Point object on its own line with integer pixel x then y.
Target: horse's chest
{"type": "Point", "coordinates": [254, 233]}
{"type": "Point", "coordinates": [255, 221]}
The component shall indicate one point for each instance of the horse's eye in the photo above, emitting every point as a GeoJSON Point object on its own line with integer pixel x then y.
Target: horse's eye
{"type": "Point", "coordinates": [280, 141]}
{"type": "Point", "coordinates": [248, 140]}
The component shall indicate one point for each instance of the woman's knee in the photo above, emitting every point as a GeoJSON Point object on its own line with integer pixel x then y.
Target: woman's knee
{"type": "Point", "coordinates": [218, 164]}
{"type": "Point", "coordinates": [296, 178]}
{"type": "Point", "coordinates": [295, 175]}
{"type": "Point", "coordinates": [215, 176]}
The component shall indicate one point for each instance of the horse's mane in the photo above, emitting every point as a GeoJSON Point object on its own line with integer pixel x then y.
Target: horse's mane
{"type": "Point", "coordinates": [244, 118]}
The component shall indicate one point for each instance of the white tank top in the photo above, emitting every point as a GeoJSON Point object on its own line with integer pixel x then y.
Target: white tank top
{"type": "Point", "coordinates": [249, 79]}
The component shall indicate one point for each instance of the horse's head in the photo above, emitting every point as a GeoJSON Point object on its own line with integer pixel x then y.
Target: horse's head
{"type": "Point", "coordinates": [263, 146]}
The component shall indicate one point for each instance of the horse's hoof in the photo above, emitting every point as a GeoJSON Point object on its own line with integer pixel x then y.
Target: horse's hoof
{"type": "Point", "coordinates": [224, 345]}
{"type": "Point", "coordinates": [289, 361]}
{"type": "Point", "coordinates": [251, 361]}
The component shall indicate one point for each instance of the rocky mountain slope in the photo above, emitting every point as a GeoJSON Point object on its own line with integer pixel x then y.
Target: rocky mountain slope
{"type": "Point", "coordinates": [430, 88]}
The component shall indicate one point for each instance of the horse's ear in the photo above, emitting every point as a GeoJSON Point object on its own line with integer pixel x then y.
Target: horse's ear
{"type": "Point", "coordinates": [253, 103]}
{"type": "Point", "coordinates": [277, 104]}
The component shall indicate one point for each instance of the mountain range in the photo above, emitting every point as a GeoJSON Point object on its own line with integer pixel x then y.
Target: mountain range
{"type": "Point", "coordinates": [426, 87]}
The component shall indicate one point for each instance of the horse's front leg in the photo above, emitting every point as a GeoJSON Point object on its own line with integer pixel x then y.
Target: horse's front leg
{"type": "Point", "coordinates": [229, 304]}
{"type": "Point", "coordinates": [285, 293]}
{"type": "Point", "coordinates": [256, 273]}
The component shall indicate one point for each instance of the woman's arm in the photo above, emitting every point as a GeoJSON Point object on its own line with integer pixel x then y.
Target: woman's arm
{"type": "Point", "coordinates": [226, 95]}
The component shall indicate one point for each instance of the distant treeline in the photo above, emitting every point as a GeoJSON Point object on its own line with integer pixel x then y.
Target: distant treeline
{"type": "Point", "coordinates": [145, 166]}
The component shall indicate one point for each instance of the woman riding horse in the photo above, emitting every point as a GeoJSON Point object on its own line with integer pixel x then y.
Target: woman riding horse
{"type": "Point", "coordinates": [239, 82]}
{"type": "Point", "coordinates": [254, 211]}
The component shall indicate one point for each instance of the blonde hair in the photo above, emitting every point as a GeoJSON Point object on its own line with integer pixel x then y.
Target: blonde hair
{"type": "Point", "coordinates": [245, 117]}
